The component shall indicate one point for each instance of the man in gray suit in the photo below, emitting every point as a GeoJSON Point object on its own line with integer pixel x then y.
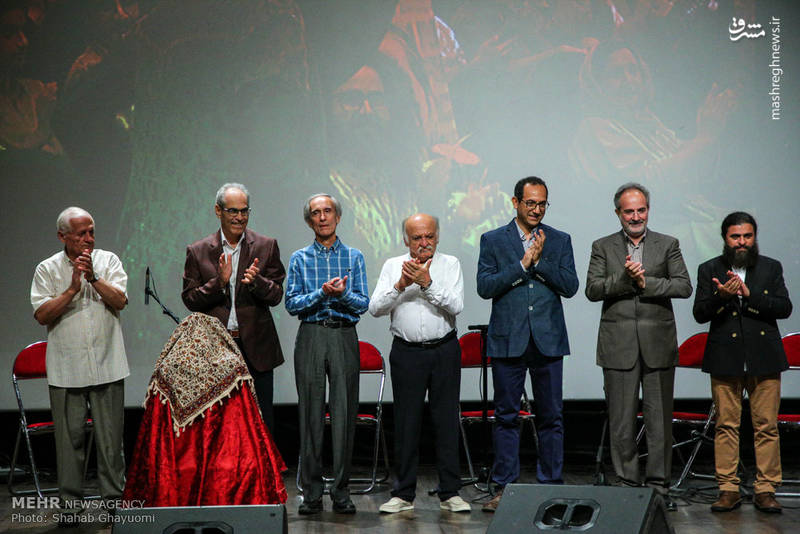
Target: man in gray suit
{"type": "Point", "coordinates": [635, 273]}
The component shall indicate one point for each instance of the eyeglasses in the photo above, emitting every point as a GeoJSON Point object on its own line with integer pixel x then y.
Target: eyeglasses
{"type": "Point", "coordinates": [233, 211]}
{"type": "Point", "coordinates": [531, 204]}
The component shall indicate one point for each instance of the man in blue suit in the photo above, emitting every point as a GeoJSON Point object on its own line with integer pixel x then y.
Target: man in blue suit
{"type": "Point", "coordinates": [526, 267]}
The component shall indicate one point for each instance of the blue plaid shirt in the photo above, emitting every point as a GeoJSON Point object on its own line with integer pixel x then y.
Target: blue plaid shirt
{"type": "Point", "coordinates": [314, 265]}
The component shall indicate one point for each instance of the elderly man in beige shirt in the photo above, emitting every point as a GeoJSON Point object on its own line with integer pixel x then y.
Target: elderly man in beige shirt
{"type": "Point", "coordinates": [78, 294]}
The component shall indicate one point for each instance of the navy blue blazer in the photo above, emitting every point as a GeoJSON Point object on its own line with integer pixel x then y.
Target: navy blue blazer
{"type": "Point", "coordinates": [526, 303]}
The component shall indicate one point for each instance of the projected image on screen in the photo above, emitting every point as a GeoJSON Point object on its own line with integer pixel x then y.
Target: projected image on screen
{"type": "Point", "coordinates": [139, 110]}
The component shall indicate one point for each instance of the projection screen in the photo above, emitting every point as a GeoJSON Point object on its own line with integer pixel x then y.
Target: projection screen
{"type": "Point", "coordinates": [139, 111]}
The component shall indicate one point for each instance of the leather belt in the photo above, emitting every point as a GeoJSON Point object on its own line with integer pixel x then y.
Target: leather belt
{"type": "Point", "coordinates": [234, 334]}
{"type": "Point", "coordinates": [428, 344]}
{"type": "Point", "coordinates": [332, 323]}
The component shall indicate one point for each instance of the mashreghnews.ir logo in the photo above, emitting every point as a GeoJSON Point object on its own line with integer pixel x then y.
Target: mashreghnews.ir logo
{"type": "Point", "coordinates": [738, 30]}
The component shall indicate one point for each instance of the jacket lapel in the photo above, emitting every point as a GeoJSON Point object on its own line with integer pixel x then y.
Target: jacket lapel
{"type": "Point", "coordinates": [512, 233]}
{"type": "Point", "coordinates": [216, 248]}
{"type": "Point", "coordinates": [244, 260]}
{"type": "Point", "coordinates": [652, 251]}
{"type": "Point", "coordinates": [621, 248]}
{"type": "Point", "coordinates": [753, 276]}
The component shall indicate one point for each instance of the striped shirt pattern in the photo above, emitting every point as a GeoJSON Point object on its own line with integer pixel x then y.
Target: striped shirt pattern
{"type": "Point", "coordinates": [314, 265]}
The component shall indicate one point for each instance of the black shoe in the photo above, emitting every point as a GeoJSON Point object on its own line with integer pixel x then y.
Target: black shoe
{"type": "Point", "coordinates": [344, 507]}
{"type": "Point", "coordinates": [310, 507]}
{"type": "Point", "coordinates": [670, 505]}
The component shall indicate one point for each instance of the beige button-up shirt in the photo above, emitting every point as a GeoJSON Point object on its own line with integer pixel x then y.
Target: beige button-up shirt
{"type": "Point", "coordinates": [84, 345]}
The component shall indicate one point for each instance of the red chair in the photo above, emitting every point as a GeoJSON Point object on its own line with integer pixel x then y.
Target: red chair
{"type": "Point", "coordinates": [30, 364]}
{"type": "Point", "coordinates": [790, 421]}
{"type": "Point", "coordinates": [690, 356]}
{"type": "Point", "coordinates": [371, 364]}
{"type": "Point", "coordinates": [471, 349]}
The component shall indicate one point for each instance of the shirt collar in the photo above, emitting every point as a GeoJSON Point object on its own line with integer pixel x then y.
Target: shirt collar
{"type": "Point", "coordinates": [522, 232]}
{"type": "Point", "coordinates": [629, 241]}
{"type": "Point", "coordinates": [224, 240]}
{"type": "Point", "coordinates": [68, 261]}
{"type": "Point", "coordinates": [319, 248]}
{"type": "Point", "coordinates": [433, 258]}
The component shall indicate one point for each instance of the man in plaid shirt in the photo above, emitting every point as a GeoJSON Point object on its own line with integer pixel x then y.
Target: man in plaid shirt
{"type": "Point", "coordinates": [327, 289]}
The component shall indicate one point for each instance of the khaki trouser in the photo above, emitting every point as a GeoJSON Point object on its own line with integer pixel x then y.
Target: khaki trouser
{"type": "Point", "coordinates": [70, 407]}
{"type": "Point", "coordinates": [765, 397]}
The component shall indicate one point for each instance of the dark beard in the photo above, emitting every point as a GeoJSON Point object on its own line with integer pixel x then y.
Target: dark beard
{"type": "Point", "coordinates": [740, 260]}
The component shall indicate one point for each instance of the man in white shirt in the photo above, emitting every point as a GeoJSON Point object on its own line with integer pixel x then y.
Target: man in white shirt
{"type": "Point", "coordinates": [423, 291]}
{"type": "Point", "coordinates": [78, 294]}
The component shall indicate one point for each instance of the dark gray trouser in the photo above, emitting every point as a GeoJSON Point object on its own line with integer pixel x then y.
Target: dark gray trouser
{"type": "Point", "coordinates": [622, 396]}
{"type": "Point", "coordinates": [321, 353]}
{"type": "Point", "coordinates": [70, 407]}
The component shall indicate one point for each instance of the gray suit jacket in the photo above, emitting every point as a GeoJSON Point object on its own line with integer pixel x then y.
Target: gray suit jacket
{"type": "Point", "coordinates": [637, 321]}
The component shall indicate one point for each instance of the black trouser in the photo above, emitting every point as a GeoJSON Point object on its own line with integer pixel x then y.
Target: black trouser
{"type": "Point", "coordinates": [263, 382]}
{"type": "Point", "coordinates": [415, 371]}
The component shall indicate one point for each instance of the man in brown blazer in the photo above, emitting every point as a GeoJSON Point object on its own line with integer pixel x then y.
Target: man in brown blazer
{"type": "Point", "coordinates": [635, 273]}
{"type": "Point", "coordinates": [235, 275]}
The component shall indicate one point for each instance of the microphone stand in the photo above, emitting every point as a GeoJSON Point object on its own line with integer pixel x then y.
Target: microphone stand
{"type": "Point", "coordinates": [166, 311]}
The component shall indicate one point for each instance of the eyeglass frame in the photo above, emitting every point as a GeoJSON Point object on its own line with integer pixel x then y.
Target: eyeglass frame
{"type": "Point", "coordinates": [531, 204]}
{"type": "Point", "coordinates": [234, 211]}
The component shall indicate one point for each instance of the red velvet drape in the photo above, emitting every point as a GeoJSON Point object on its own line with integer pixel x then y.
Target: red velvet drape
{"type": "Point", "coordinates": [226, 457]}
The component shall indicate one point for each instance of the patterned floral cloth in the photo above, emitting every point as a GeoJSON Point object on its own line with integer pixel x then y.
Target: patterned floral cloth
{"type": "Point", "coordinates": [227, 456]}
{"type": "Point", "coordinates": [199, 366]}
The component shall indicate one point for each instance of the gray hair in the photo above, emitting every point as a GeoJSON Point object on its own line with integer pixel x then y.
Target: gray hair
{"type": "Point", "coordinates": [628, 186]}
{"type": "Point", "coordinates": [405, 232]}
{"type": "Point", "coordinates": [231, 185]}
{"type": "Point", "coordinates": [63, 223]}
{"type": "Point", "coordinates": [307, 206]}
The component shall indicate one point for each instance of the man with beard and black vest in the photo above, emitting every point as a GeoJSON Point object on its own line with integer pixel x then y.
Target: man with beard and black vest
{"type": "Point", "coordinates": [743, 294]}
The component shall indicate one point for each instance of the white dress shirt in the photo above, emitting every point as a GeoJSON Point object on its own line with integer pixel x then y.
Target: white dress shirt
{"type": "Point", "coordinates": [84, 345]}
{"type": "Point", "coordinates": [233, 321]}
{"type": "Point", "coordinates": [741, 272]}
{"type": "Point", "coordinates": [420, 315]}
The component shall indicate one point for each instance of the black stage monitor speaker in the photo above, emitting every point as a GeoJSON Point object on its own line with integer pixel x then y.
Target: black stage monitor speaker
{"type": "Point", "coordinates": [590, 509]}
{"type": "Point", "coordinates": [247, 519]}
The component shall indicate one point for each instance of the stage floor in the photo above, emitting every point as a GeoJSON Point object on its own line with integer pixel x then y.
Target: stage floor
{"type": "Point", "coordinates": [692, 517]}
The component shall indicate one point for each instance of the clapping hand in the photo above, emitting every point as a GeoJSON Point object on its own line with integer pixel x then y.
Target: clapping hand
{"type": "Point", "coordinates": [635, 270]}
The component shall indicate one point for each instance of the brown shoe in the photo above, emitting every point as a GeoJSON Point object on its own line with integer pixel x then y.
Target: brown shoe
{"type": "Point", "coordinates": [492, 505]}
{"type": "Point", "coordinates": [765, 502]}
{"type": "Point", "coordinates": [728, 500]}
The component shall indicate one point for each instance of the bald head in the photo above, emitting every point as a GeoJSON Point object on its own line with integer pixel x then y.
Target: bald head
{"type": "Point", "coordinates": [421, 234]}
